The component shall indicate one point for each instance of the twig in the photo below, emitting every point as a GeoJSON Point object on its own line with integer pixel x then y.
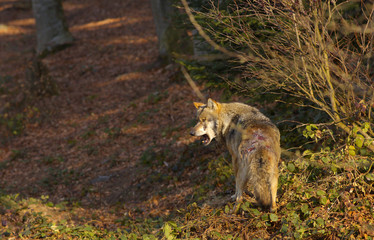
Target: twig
{"type": "Point", "coordinates": [200, 30]}
{"type": "Point", "coordinates": [302, 57]}
{"type": "Point", "coordinates": [192, 84]}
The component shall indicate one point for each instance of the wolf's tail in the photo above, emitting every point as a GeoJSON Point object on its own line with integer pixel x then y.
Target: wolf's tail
{"type": "Point", "coordinates": [263, 194]}
{"type": "Point", "coordinates": [265, 178]}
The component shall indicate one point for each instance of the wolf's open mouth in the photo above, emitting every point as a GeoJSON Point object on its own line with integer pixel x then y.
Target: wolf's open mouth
{"type": "Point", "coordinates": [205, 139]}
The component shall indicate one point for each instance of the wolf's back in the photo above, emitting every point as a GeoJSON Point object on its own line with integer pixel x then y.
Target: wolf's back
{"type": "Point", "coordinates": [247, 113]}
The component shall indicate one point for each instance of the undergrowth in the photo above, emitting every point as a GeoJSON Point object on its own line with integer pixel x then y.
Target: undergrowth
{"type": "Point", "coordinates": [320, 196]}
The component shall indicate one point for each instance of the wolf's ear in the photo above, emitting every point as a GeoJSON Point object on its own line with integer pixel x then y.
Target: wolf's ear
{"type": "Point", "coordinates": [197, 104]}
{"type": "Point", "coordinates": [212, 104]}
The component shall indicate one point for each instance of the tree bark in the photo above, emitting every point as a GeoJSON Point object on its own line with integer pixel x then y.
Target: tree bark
{"type": "Point", "coordinates": [172, 37]}
{"type": "Point", "coordinates": [162, 14]}
{"type": "Point", "coordinates": [51, 27]}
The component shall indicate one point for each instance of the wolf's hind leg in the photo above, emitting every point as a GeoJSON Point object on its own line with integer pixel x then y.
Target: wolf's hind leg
{"type": "Point", "coordinates": [273, 180]}
{"type": "Point", "coordinates": [241, 180]}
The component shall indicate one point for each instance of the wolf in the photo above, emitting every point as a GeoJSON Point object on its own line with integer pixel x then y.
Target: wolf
{"type": "Point", "coordinates": [253, 142]}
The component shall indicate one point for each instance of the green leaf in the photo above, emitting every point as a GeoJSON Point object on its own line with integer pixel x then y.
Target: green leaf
{"type": "Point", "coordinates": [307, 195]}
{"type": "Point", "coordinates": [359, 140]}
{"type": "Point", "coordinates": [295, 218]}
{"type": "Point", "coordinates": [245, 206]}
{"type": "Point", "coordinates": [321, 193]}
{"type": "Point", "coordinates": [352, 150]}
{"type": "Point", "coordinates": [363, 152]}
{"type": "Point", "coordinates": [284, 228]}
{"type": "Point", "coordinates": [227, 209]}
{"type": "Point", "coordinates": [366, 127]}
{"type": "Point", "coordinates": [307, 153]}
{"type": "Point", "coordinates": [255, 212]}
{"type": "Point", "coordinates": [305, 134]}
{"type": "Point", "coordinates": [355, 130]}
{"type": "Point", "coordinates": [216, 234]}
{"type": "Point", "coordinates": [291, 167]}
{"type": "Point", "coordinates": [265, 217]}
{"type": "Point", "coordinates": [320, 222]}
{"type": "Point", "coordinates": [305, 208]}
{"type": "Point", "coordinates": [370, 176]}
{"type": "Point", "coordinates": [325, 160]}
{"type": "Point", "coordinates": [334, 168]}
{"type": "Point", "coordinates": [148, 237]}
{"type": "Point", "coordinates": [273, 217]}
{"type": "Point", "coordinates": [289, 206]}
{"type": "Point", "coordinates": [167, 230]}
{"type": "Point", "coordinates": [323, 200]}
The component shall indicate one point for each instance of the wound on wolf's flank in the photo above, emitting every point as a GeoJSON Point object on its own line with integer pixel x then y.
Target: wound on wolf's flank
{"type": "Point", "coordinates": [197, 105]}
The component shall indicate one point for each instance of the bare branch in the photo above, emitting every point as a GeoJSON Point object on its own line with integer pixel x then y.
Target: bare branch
{"type": "Point", "coordinates": [192, 84]}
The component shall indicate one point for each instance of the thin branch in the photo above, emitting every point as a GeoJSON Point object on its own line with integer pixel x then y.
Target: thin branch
{"type": "Point", "coordinates": [192, 84]}
{"type": "Point", "coordinates": [302, 57]}
{"type": "Point", "coordinates": [202, 33]}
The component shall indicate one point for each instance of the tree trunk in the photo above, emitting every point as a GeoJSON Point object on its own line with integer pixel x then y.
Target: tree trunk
{"type": "Point", "coordinates": [162, 12]}
{"type": "Point", "coordinates": [172, 38]}
{"type": "Point", "coordinates": [51, 28]}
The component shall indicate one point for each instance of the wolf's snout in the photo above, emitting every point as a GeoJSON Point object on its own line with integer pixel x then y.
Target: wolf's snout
{"type": "Point", "coordinates": [192, 133]}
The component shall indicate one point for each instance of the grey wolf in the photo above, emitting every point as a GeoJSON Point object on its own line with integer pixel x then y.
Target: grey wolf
{"type": "Point", "coordinates": [253, 142]}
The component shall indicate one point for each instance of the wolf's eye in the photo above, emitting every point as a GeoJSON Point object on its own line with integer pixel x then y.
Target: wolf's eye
{"type": "Point", "coordinates": [203, 119]}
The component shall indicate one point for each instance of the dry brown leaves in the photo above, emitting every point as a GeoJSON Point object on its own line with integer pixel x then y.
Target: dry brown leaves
{"type": "Point", "coordinates": [84, 144]}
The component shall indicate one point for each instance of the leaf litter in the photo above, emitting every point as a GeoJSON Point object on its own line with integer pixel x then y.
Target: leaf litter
{"type": "Point", "coordinates": [84, 145]}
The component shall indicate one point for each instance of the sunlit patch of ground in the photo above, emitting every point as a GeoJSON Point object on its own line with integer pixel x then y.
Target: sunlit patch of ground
{"type": "Point", "coordinates": [90, 144]}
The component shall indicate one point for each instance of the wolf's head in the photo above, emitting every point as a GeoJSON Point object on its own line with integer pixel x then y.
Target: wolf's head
{"type": "Point", "coordinates": [207, 126]}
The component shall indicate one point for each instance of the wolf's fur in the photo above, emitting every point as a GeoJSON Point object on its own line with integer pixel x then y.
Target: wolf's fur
{"type": "Point", "coordinates": [253, 142]}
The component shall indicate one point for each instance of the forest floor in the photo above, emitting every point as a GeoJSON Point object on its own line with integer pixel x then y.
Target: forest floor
{"type": "Point", "coordinates": [113, 139]}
